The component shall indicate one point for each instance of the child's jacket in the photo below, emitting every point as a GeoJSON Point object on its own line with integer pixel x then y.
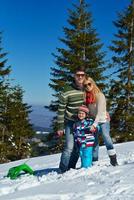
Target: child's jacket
{"type": "Point", "coordinates": [82, 133]}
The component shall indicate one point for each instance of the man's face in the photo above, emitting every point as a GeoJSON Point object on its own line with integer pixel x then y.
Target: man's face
{"type": "Point", "coordinates": [79, 77]}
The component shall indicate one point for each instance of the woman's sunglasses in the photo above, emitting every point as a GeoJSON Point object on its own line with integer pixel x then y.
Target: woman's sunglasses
{"type": "Point", "coordinates": [88, 84]}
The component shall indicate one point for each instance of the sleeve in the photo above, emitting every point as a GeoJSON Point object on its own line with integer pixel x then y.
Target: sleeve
{"type": "Point", "coordinates": [101, 109]}
{"type": "Point", "coordinates": [74, 130]}
{"type": "Point", "coordinates": [97, 128]}
{"type": "Point", "coordinates": [61, 111]}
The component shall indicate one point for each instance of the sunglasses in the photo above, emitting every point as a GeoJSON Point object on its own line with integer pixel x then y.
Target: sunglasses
{"type": "Point", "coordinates": [88, 84]}
{"type": "Point", "coordinates": [80, 75]}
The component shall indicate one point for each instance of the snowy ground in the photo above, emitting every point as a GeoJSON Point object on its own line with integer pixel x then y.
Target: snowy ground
{"type": "Point", "coordinates": [101, 182]}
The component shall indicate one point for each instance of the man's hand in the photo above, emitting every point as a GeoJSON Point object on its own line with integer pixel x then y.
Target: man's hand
{"type": "Point", "coordinates": [60, 133]}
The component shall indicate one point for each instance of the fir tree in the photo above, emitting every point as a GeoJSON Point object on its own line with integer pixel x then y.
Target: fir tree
{"type": "Point", "coordinates": [82, 48]}
{"type": "Point", "coordinates": [4, 72]}
{"type": "Point", "coordinates": [122, 88]}
{"type": "Point", "coordinates": [18, 125]}
{"type": "Point", "coordinates": [15, 128]}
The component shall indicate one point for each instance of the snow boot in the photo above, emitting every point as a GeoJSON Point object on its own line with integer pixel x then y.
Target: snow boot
{"type": "Point", "coordinates": [113, 160]}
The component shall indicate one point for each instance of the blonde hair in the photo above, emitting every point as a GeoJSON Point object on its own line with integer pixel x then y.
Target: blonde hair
{"type": "Point", "coordinates": [95, 89]}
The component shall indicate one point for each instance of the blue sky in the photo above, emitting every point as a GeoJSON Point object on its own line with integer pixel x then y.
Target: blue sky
{"type": "Point", "coordinates": [31, 29]}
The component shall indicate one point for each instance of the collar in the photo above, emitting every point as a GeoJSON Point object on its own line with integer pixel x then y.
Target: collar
{"type": "Point", "coordinates": [77, 87]}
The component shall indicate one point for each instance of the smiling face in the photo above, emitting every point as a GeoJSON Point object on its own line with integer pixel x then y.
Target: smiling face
{"type": "Point", "coordinates": [81, 115]}
{"type": "Point", "coordinates": [88, 85]}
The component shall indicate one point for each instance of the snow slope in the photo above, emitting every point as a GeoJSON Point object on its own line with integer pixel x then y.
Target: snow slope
{"type": "Point", "coordinates": [101, 182]}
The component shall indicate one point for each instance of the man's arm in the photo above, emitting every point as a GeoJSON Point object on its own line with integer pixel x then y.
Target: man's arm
{"type": "Point", "coordinates": [61, 113]}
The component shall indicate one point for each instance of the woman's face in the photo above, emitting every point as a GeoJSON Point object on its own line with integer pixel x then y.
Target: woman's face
{"type": "Point", "coordinates": [88, 85]}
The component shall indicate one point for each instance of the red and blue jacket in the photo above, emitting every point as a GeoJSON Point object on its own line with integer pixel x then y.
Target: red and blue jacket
{"type": "Point", "coordinates": [82, 134]}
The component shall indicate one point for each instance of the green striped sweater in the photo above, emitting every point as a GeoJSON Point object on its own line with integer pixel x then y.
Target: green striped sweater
{"type": "Point", "coordinates": [69, 101]}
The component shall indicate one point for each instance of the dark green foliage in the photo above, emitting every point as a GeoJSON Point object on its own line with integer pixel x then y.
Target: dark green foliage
{"type": "Point", "coordinates": [3, 69]}
{"type": "Point", "coordinates": [122, 89]}
{"type": "Point", "coordinates": [15, 128]}
{"type": "Point", "coordinates": [18, 124]}
{"type": "Point", "coordinates": [82, 49]}
{"type": "Point", "coordinates": [4, 134]}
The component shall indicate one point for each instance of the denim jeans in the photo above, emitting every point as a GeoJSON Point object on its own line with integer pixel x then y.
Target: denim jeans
{"type": "Point", "coordinates": [105, 132]}
{"type": "Point", "coordinates": [68, 158]}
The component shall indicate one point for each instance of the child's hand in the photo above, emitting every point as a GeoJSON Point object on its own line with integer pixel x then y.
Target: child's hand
{"type": "Point", "coordinates": [93, 129]}
{"type": "Point", "coordinates": [108, 116]}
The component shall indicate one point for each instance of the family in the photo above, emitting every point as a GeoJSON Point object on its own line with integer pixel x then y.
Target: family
{"type": "Point", "coordinates": [82, 116]}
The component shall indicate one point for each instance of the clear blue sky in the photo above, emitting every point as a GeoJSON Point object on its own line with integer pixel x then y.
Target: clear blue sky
{"type": "Point", "coordinates": [31, 31]}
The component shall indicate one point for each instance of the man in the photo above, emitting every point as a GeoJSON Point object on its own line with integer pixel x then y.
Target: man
{"type": "Point", "coordinates": [69, 100]}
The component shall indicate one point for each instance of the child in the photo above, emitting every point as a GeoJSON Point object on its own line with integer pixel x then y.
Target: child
{"type": "Point", "coordinates": [84, 138]}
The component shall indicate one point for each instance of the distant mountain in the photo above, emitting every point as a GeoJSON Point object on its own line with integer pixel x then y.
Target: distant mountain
{"type": "Point", "coordinates": [41, 117]}
{"type": "Point", "coordinates": [41, 129]}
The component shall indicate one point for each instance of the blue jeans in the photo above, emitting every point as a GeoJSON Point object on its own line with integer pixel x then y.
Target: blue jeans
{"type": "Point", "coordinates": [68, 158]}
{"type": "Point", "coordinates": [86, 156]}
{"type": "Point", "coordinates": [105, 132]}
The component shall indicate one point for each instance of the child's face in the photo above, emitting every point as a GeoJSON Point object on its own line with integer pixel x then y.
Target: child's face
{"type": "Point", "coordinates": [81, 115]}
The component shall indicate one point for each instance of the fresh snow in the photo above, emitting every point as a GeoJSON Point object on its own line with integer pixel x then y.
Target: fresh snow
{"type": "Point", "coordinates": [100, 182]}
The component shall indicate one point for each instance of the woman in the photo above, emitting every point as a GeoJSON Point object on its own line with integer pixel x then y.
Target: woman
{"type": "Point", "coordinates": [96, 102]}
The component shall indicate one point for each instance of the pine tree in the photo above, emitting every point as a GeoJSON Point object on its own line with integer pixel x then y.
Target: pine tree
{"type": "Point", "coordinates": [122, 88]}
{"type": "Point", "coordinates": [4, 72]}
{"type": "Point", "coordinates": [82, 48]}
{"type": "Point", "coordinates": [18, 125]}
{"type": "Point", "coordinates": [15, 128]}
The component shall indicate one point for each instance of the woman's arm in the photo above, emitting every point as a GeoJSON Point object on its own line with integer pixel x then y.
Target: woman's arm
{"type": "Point", "coordinates": [101, 109]}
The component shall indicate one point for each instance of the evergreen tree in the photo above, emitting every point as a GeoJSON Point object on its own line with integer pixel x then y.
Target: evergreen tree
{"type": "Point", "coordinates": [18, 124]}
{"type": "Point", "coordinates": [82, 48]}
{"type": "Point", "coordinates": [122, 88]}
{"type": "Point", "coordinates": [15, 128]}
{"type": "Point", "coordinates": [4, 72]}
{"type": "Point", "coordinates": [4, 134]}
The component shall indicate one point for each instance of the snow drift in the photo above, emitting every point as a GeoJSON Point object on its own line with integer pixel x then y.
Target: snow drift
{"type": "Point", "coordinates": [101, 181]}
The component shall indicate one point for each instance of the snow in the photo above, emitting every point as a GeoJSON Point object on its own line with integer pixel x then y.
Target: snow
{"type": "Point", "coordinates": [100, 182]}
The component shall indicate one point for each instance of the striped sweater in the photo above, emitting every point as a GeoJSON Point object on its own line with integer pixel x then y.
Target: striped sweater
{"type": "Point", "coordinates": [82, 133]}
{"type": "Point", "coordinates": [69, 100]}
